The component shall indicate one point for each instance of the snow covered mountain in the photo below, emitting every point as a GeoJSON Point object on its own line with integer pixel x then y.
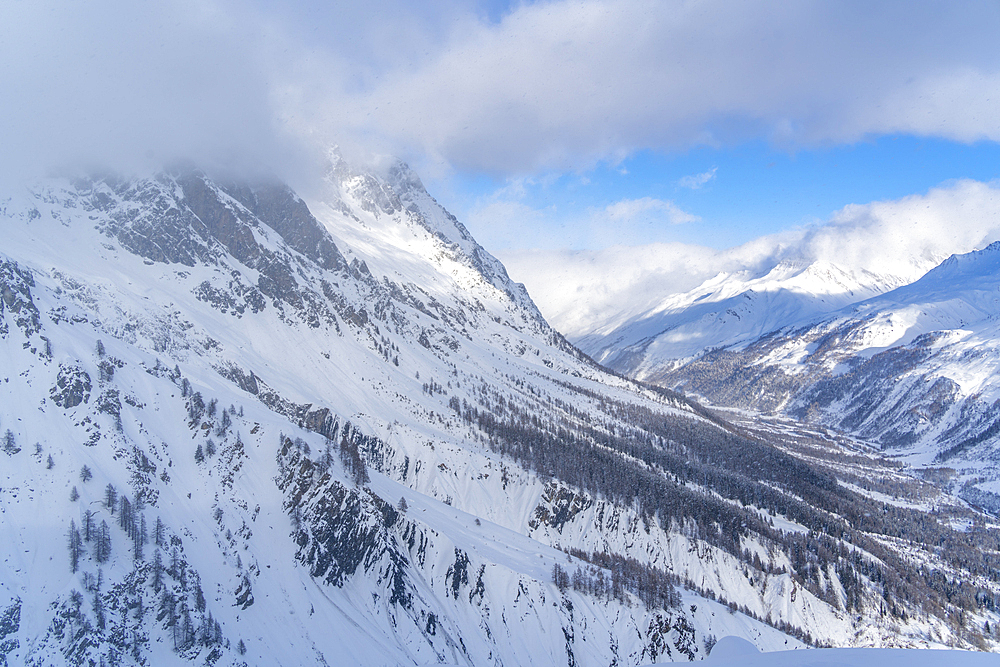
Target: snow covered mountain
{"type": "Point", "coordinates": [728, 309]}
{"type": "Point", "coordinates": [913, 369]}
{"type": "Point", "coordinates": [243, 428]}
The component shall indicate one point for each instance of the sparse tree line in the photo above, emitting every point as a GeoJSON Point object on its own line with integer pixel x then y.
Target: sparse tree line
{"type": "Point", "coordinates": [198, 409]}
{"type": "Point", "coordinates": [164, 587]}
{"type": "Point", "coordinates": [348, 450]}
{"type": "Point", "coordinates": [656, 588]}
{"type": "Point", "coordinates": [10, 447]}
{"type": "Point", "coordinates": [631, 454]}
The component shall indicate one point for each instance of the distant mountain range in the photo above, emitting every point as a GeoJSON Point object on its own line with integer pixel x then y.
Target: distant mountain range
{"type": "Point", "coordinates": [911, 367]}
{"type": "Point", "coordinates": [730, 309]}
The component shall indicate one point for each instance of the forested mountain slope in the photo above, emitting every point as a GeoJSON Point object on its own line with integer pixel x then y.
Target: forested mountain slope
{"type": "Point", "coordinates": [243, 428]}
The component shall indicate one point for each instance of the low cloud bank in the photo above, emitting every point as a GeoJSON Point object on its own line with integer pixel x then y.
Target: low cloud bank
{"type": "Point", "coordinates": [578, 291]}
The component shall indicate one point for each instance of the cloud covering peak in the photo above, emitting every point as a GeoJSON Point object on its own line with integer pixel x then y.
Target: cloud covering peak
{"type": "Point", "coordinates": [558, 84]}
{"type": "Point", "coordinates": [125, 84]}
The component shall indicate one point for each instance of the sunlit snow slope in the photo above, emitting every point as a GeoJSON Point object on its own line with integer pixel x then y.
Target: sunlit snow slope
{"type": "Point", "coordinates": [242, 428]}
{"type": "Point", "coordinates": [729, 309]}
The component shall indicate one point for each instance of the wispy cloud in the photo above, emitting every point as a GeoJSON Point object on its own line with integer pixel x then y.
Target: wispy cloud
{"type": "Point", "coordinates": [518, 215]}
{"type": "Point", "coordinates": [697, 181]}
{"type": "Point", "coordinates": [118, 84]}
{"type": "Point", "coordinates": [649, 210]}
{"type": "Point", "coordinates": [558, 84]}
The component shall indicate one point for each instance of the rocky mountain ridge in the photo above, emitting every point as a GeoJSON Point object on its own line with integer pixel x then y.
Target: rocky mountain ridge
{"type": "Point", "coordinates": [244, 428]}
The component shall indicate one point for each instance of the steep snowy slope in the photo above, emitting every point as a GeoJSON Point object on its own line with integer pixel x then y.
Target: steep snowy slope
{"type": "Point", "coordinates": [243, 428]}
{"type": "Point", "coordinates": [735, 652]}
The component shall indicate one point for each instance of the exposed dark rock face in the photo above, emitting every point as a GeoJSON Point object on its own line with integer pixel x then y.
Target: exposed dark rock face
{"type": "Point", "coordinates": [288, 215]}
{"type": "Point", "coordinates": [558, 505]}
{"type": "Point", "coordinates": [72, 387]}
{"type": "Point", "coordinates": [457, 575]}
{"type": "Point", "coordinates": [15, 298]}
{"type": "Point", "coordinates": [236, 300]}
{"type": "Point", "coordinates": [147, 219]}
{"type": "Point", "coordinates": [339, 529]}
{"type": "Point", "coordinates": [186, 218]}
{"type": "Point", "coordinates": [10, 623]}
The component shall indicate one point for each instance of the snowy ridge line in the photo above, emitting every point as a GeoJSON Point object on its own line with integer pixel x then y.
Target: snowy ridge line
{"type": "Point", "coordinates": [479, 449]}
{"type": "Point", "coordinates": [911, 368]}
{"type": "Point", "coordinates": [731, 308]}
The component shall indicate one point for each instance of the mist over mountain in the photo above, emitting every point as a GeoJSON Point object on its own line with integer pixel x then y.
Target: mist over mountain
{"type": "Point", "coordinates": [603, 293]}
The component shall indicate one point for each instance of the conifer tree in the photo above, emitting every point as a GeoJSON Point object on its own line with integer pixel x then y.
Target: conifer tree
{"type": "Point", "coordinates": [125, 518]}
{"type": "Point", "coordinates": [102, 547]}
{"type": "Point", "coordinates": [224, 424]}
{"type": "Point", "coordinates": [10, 443]}
{"type": "Point", "coordinates": [75, 547]}
{"type": "Point", "coordinates": [88, 524]}
{"type": "Point", "coordinates": [139, 537]}
{"type": "Point", "coordinates": [160, 533]}
{"type": "Point", "coordinates": [157, 571]}
{"type": "Point", "coordinates": [110, 497]}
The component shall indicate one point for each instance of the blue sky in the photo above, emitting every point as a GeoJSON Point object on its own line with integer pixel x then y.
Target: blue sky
{"type": "Point", "coordinates": [737, 193]}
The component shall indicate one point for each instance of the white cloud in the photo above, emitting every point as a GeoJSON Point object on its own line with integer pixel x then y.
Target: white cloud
{"type": "Point", "coordinates": [114, 83]}
{"type": "Point", "coordinates": [556, 84]}
{"type": "Point", "coordinates": [576, 290]}
{"type": "Point", "coordinates": [580, 290]}
{"type": "Point", "coordinates": [560, 83]}
{"type": "Point", "coordinates": [697, 181]}
{"type": "Point", "coordinates": [499, 222]}
{"type": "Point", "coordinates": [505, 219]}
{"type": "Point", "coordinates": [648, 209]}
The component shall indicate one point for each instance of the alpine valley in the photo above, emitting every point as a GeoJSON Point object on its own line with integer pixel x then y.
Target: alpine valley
{"type": "Point", "coordinates": [240, 427]}
{"type": "Point", "coordinates": [910, 367]}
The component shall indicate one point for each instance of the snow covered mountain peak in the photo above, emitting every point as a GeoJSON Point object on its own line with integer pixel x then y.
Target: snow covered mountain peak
{"type": "Point", "coordinates": [392, 216]}
{"type": "Point", "coordinates": [263, 429]}
{"type": "Point", "coordinates": [731, 308]}
{"type": "Point", "coordinates": [981, 266]}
